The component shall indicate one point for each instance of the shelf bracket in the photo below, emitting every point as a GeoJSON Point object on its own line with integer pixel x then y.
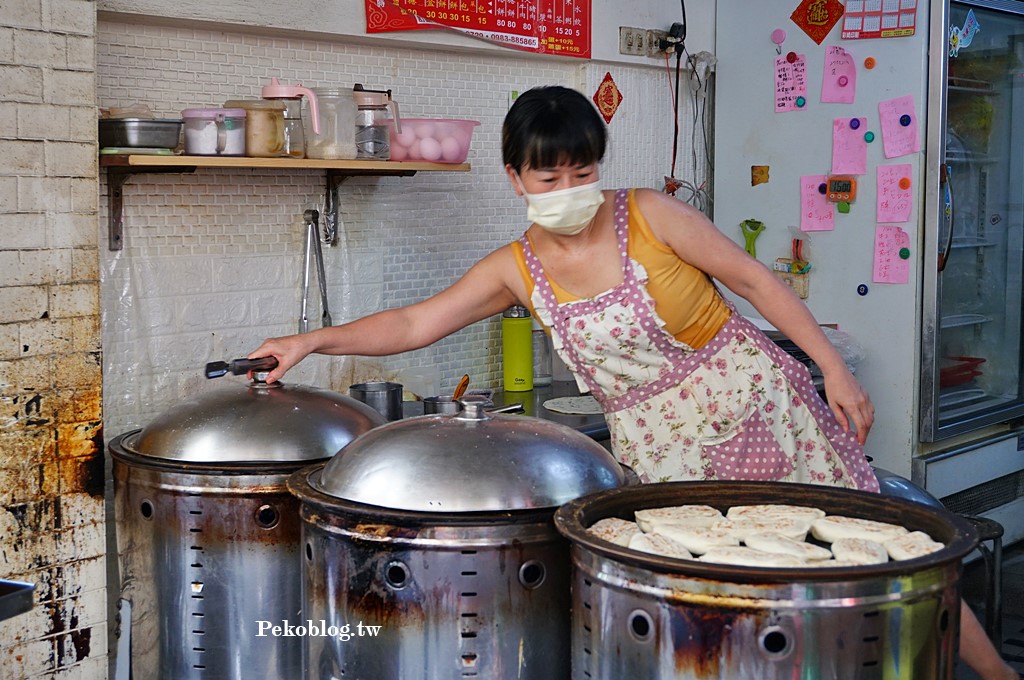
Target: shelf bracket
{"type": "Point", "coordinates": [115, 206]}
{"type": "Point", "coordinates": [332, 205]}
{"type": "Point", "coordinates": [116, 179]}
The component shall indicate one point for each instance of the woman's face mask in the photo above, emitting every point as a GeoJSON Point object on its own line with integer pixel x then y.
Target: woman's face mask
{"type": "Point", "coordinates": [564, 211]}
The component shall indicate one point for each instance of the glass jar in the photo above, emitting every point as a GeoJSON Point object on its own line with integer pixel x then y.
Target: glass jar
{"type": "Point", "coordinates": [294, 139]}
{"type": "Point", "coordinates": [264, 126]}
{"type": "Point", "coordinates": [291, 96]}
{"type": "Point", "coordinates": [336, 139]}
{"type": "Point", "coordinates": [373, 136]}
{"type": "Point", "coordinates": [541, 356]}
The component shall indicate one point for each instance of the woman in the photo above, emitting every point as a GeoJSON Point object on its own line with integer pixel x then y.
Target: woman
{"type": "Point", "coordinates": [624, 282]}
{"type": "Point", "coordinates": [607, 272]}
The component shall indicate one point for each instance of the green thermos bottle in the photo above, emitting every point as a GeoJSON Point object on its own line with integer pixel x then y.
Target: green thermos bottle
{"type": "Point", "coordinates": [517, 349]}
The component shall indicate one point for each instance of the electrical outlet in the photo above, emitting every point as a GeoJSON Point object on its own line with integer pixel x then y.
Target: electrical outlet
{"type": "Point", "coordinates": [628, 38]}
{"type": "Point", "coordinates": [654, 38]}
{"type": "Point", "coordinates": [641, 42]}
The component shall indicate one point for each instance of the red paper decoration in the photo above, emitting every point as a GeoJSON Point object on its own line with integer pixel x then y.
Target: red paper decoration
{"type": "Point", "coordinates": [817, 17]}
{"type": "Point", "coordinates": [608, 97]}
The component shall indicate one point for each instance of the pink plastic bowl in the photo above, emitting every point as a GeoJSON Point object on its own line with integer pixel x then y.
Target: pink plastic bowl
{"type": "Point", "coordinates": [435, 140]}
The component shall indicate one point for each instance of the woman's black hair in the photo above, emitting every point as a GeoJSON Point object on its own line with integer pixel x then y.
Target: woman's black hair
{"type": "Point", "coordinates": [551, 126]}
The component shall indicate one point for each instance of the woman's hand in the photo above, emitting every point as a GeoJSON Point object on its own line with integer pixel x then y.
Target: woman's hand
{"type": "Point", "coordinates": [850, 403]}
{"type": "Point", "coordinates": [288, 350]}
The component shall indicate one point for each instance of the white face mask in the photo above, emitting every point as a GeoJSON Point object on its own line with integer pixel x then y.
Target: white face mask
{"type": "Point", "coordinates": [565, 211]}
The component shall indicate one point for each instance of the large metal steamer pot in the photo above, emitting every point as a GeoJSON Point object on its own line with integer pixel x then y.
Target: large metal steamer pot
{"type": "Point", "coordinates": [637, 615]}
{"type": "Point", "coordinates": [208, 535]}
{"type": "Point", "coordinates": [431, 553]}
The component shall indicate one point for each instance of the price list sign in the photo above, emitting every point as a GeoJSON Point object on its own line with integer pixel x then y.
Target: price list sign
{"type": "Point", "coordinates": [559, 27]}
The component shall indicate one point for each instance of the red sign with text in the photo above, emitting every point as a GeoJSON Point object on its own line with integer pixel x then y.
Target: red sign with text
{"type": "Point", "coordinates": [559, 27]}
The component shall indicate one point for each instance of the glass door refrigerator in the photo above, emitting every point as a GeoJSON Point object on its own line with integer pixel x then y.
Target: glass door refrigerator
{"type": "Point", "coordinates": [972, 385]}
{"type": "Point", "coordinates": [972, 302]}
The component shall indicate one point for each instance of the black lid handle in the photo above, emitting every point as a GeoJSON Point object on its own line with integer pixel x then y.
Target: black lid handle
{"type": "Point", "coordinates": [216, 369]}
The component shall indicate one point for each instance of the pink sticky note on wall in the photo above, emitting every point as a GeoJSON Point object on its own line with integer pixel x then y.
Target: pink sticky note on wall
{"type": "Point", "coordinates": [816, 213]}
{"type": "Point", "coordinates": [895, 193]}
{"type": "Point", "coordinates": [790, 82]}
{"type": "Point", "coordinates": [849, 149]}
{"type": "Point", "coordinates": [899, 126]}
{"type": "Point", "coordinates": [889, 267]}
{"type": "Point", "coordinates": [839, 78]}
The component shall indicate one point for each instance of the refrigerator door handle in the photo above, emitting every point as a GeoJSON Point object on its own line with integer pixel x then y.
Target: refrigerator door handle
{"type": "Point", "coordinates": [946, 180]}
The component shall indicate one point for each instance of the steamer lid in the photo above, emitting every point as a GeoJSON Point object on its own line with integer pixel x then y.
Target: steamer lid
{"type": "Point", "coordinates": [470, 462]}
{"type": "Point", "coordinates": [258, 423]}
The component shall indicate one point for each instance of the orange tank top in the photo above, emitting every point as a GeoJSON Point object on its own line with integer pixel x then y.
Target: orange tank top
{"type": "Point", "coordinates": [684, 297]}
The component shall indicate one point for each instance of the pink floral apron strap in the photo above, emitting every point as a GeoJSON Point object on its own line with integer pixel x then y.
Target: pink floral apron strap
{"type": "Point", "coordinates": [560, 316]}
{"type": "Point", "coordinates": [622, 234]}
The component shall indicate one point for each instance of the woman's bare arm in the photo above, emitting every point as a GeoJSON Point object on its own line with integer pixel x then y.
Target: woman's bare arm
{"type": "Point", "coordinates": [489, 287]}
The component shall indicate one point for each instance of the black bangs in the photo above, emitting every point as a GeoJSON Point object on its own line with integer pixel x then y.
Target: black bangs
{"type": "Point", "coordinates": [551, 126]}
{"type": "Point", "coordinates": [560, 141]}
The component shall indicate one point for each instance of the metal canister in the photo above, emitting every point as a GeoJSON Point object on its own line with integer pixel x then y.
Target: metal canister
{"type": "Point", "coordinates": [208, 535]}
{"type": "Point", "coordinates": [638, 615]}
{"type": "Point", "coordinates": [430, 550]}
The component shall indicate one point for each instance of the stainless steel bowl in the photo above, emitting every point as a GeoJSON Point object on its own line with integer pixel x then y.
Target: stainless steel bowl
{"type": "Point", "coordinates": [156, 133]}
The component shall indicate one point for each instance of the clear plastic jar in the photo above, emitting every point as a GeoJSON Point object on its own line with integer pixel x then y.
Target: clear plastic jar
{"type": "Point", "coordinates": [214, 132]}
{"type": "Point", "coordinates": [264, 126]}
{"type": "Point", "coordinates": [337, 136]}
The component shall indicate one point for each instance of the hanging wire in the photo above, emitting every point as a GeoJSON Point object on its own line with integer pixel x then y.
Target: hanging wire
{"type": "Point", "coordinates": [695, 195]}
{"type": "Point", "coordinates": [674, 97]}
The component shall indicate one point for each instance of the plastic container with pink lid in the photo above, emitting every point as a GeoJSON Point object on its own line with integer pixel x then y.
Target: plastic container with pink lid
{"type": "Point", "coordinates": [214, 132]}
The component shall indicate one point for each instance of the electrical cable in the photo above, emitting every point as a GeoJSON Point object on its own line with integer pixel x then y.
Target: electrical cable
{"type": "Point", "coordinates": [697, 195]}
{"type": "Point", "coordinates": [703, 197]}
{"type": "Point", "coordinates": [675, 114]}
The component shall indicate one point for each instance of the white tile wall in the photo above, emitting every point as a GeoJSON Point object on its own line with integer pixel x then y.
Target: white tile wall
{"type": "Point", "coordinates": [212, 261]}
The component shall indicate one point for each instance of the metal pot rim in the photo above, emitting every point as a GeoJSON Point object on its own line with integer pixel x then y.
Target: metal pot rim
{"type": "Point", "coordinates": [573, 518]}
{"type": "Point", "coordinates": [121, 448]}
{"type": "Point", "coordinates": [305, 483]}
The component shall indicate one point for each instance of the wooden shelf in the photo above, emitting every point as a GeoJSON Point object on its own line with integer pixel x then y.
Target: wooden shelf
{"type": "Point", "coordinates": [185, 163]}
{"type": "Point", "coordinates": [120, 167]}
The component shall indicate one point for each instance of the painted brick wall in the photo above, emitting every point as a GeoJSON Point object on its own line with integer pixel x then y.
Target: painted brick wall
{"type": "Point", "coordinates": [212, 262]}
{"type": "Point", "coordinates": [52, 530]}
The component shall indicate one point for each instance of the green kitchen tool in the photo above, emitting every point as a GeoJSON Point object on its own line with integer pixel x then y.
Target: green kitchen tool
{"type": "Point", "coordinates": [751, 230]}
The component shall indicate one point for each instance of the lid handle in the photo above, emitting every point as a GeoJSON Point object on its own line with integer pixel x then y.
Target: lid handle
{"type": "Point", "coordinates": [393, 105]}
{"type": "Point", "coordinates": [473, 407]}
{"type": "Point", "coordinates": [216, 369]}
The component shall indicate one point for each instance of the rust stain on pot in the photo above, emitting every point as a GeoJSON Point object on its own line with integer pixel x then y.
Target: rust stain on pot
{"type": "Point", "coordinates": [378, 530]}
{"type": "Point", "coordinates": [385, 531]}
{"type": "Point", "coordinates": [697, 639]}
{"type": "Point", "coordinates": [214, 520]}
{"type": "Point", "coordinates": [375, 602]}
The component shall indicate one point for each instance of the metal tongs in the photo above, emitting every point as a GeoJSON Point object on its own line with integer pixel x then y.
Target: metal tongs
{"type": "Point", "coordinates": [314, 256]}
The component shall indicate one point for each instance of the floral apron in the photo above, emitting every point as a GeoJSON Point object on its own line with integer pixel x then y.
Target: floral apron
{"type": "Point", "coordinates": [738, 408]}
